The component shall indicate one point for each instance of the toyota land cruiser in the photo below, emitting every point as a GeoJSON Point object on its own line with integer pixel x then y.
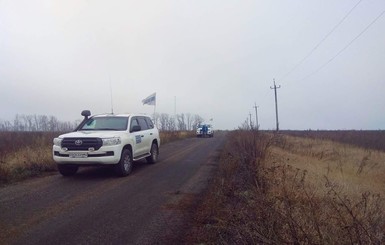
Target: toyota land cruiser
{"type": "Point", "coordinates": [109, 139]}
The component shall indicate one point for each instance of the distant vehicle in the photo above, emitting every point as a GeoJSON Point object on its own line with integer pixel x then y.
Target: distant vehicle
{"type": "Point", "coordinates": [200, 132]}
{"type": "Point", "coordinates": [111, 140]}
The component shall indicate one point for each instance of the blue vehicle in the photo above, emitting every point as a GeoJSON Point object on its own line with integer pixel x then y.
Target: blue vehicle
{"type": "Point", "coordinates": [204, 130]}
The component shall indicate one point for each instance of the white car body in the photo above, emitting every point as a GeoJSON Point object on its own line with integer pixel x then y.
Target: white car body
{"type": "Point", "coordinates": [90, 145]}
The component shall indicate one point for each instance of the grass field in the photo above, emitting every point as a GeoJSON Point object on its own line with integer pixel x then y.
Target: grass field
{"type": "Point", "coordinates": [368, 139]}
{"type": "Point", "coordinates": [284, 189]}
{"type": "Point", "coordinates": [28, 154]}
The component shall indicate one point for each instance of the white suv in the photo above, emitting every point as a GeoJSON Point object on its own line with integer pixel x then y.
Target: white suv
{"type": "Point", "coordinates": [108, 139]}
{"type": "Point", "coordinates": [200, 130]}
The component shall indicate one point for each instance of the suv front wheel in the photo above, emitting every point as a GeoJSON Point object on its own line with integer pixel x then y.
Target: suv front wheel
{"type": "Point", "coordinates": [124, 166]}
{"type": "Point", "coordinates": [67, 170]}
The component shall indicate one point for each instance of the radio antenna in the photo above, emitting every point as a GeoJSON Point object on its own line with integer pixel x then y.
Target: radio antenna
{"type": "Point", "coordinates": [112, 105]}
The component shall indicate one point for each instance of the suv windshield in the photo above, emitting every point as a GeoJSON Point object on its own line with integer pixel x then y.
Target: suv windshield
{"type": "Point", "coordinates": [105, 123]}
{"type": "Point", "coordinates": [201, 125]}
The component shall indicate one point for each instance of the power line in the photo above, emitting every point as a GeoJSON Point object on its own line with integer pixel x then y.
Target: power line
{"type": "Point", "coordinates": [320, 42]}
{"type": "Point", "coordinates": [344, 48]}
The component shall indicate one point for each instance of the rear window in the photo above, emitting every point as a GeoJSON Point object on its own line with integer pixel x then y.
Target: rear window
{"type": "Point", "coordinates": [149, 122]}
{"type": "Point", "coordinates": [143, 123]}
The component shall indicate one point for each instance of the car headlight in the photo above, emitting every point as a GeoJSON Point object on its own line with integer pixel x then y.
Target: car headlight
{"type": "Point", "coordinates": [111, 141]}
{"type": "Point", "coordinates": [57, 141]}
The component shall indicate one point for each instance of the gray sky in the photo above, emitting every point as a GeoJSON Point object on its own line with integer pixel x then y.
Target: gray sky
{"type": "Point", "coordinates": [217, 58]}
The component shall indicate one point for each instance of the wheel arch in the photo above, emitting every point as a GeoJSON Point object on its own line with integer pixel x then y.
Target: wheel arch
{"type": "Point", "coordinates": [128, 147]}
{"type": "Point", "coordinates": [155, 141]}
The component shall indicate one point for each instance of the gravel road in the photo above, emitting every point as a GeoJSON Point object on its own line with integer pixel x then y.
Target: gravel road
{"type": "Point", "coordinates": [150, 206]}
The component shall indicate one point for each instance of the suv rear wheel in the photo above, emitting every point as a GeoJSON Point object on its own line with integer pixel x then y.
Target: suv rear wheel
{"type": "Point", "coordinates": [124, 167]}
{"type": "Point", "coordinates": [154, 154]}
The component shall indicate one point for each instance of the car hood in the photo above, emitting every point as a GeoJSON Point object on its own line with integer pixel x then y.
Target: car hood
{"type": "Point", "coordinates": [85, 134]}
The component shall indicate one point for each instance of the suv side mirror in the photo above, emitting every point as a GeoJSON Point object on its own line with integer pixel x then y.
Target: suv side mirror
{"type": "Point", "coordinates": [136, 128]}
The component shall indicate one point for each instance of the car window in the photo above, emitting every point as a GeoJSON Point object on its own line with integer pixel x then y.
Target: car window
{"type": "Point", "coordinates": [142, 123]}
{"type": "Point", "coordinates": [134, 122]}
{"type": "Point", "coordinates": [149, 122]}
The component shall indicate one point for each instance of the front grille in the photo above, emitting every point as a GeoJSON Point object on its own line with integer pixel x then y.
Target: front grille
{"type": "Point", "coordinates": [81, 144]}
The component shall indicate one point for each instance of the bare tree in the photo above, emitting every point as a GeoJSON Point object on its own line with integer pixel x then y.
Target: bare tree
{"type": "Point", "coordinates": [171, 125]}
{"type": "Point", "coordinates": [181, 122]}
{"type": "Point", "coordinates": [53, 124]}
{"type": "Point", "coordinates": [37, 123]}
{"type": "Point", "coordinates": [156, 119]}
{"type": "Point", "coordinates": [6, 126]}
{"type": "Point", "coordinates": [189, 120]}
{"type": "Point", "coordinates": [163, 121]}
{"type": "Point", "coordinates": [17, 125]}
{"type": "Point", "coordinates": [197, 120]}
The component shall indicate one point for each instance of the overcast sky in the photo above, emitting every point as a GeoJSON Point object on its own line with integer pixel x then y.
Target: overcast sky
{"type": "Point", "coordinates": [215, 58]}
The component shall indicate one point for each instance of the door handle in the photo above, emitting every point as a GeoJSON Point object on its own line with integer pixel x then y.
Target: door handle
{"type": "Point", "coordinates": [142, 136]}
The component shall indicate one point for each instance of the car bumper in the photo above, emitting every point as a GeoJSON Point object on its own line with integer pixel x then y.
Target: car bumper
{"type": "Point", "coordinates": [200, 134]}
{"type": "Point", "coordinates": [105, 155]}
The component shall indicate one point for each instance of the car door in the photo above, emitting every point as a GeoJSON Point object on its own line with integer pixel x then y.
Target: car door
{"type": "Point", "coordinates": [138, 147]}
{"type": "Point", "coordinates": [146, 134]}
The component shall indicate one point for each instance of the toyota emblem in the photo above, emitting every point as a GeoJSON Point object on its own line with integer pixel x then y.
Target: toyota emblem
{"type": "Point", "coordinates": [78, 142]}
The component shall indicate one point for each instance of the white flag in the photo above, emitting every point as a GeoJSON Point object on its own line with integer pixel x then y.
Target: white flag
{"type": "Point", "coordinates": [150, 100]}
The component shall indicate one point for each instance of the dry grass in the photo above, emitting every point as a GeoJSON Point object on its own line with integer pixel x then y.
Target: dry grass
{"type": "Point", "coordinates": [169, 136]}
{"type": "Point", "coordinates": [368, 139]}
{"type": "Point", "coordinates": [288, 190]}
{"type": "Point", "coordinates": [356, 169]}
{"type": "Point", "coordinates": [25, 154]}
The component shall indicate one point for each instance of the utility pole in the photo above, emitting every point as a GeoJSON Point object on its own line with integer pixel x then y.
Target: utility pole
{"type": "Point", "coordinates": [251, 122]}
{"type": "Point", "coordinates": [256, 115]}
{"type": "Point", "coordinates": [276, 103]}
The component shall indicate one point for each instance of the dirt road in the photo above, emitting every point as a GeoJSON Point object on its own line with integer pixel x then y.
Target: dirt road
{"type": "Point", "coordinates": [95, 207]}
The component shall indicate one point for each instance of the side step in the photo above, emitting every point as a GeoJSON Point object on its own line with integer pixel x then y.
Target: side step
{"type": "Point", "coordinates": [142, 156]}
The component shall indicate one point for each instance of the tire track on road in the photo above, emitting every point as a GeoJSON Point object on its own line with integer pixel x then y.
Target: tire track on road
{"type": "Point", "coordinates": [10, 233]}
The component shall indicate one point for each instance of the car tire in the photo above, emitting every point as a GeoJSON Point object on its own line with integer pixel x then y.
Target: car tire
{"type": "Point", "coordinates": [67, 170]}
{"type": "Point", "coordinates": [154, 154]}
{"type": "Point", "coordinates": [124, 166]}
